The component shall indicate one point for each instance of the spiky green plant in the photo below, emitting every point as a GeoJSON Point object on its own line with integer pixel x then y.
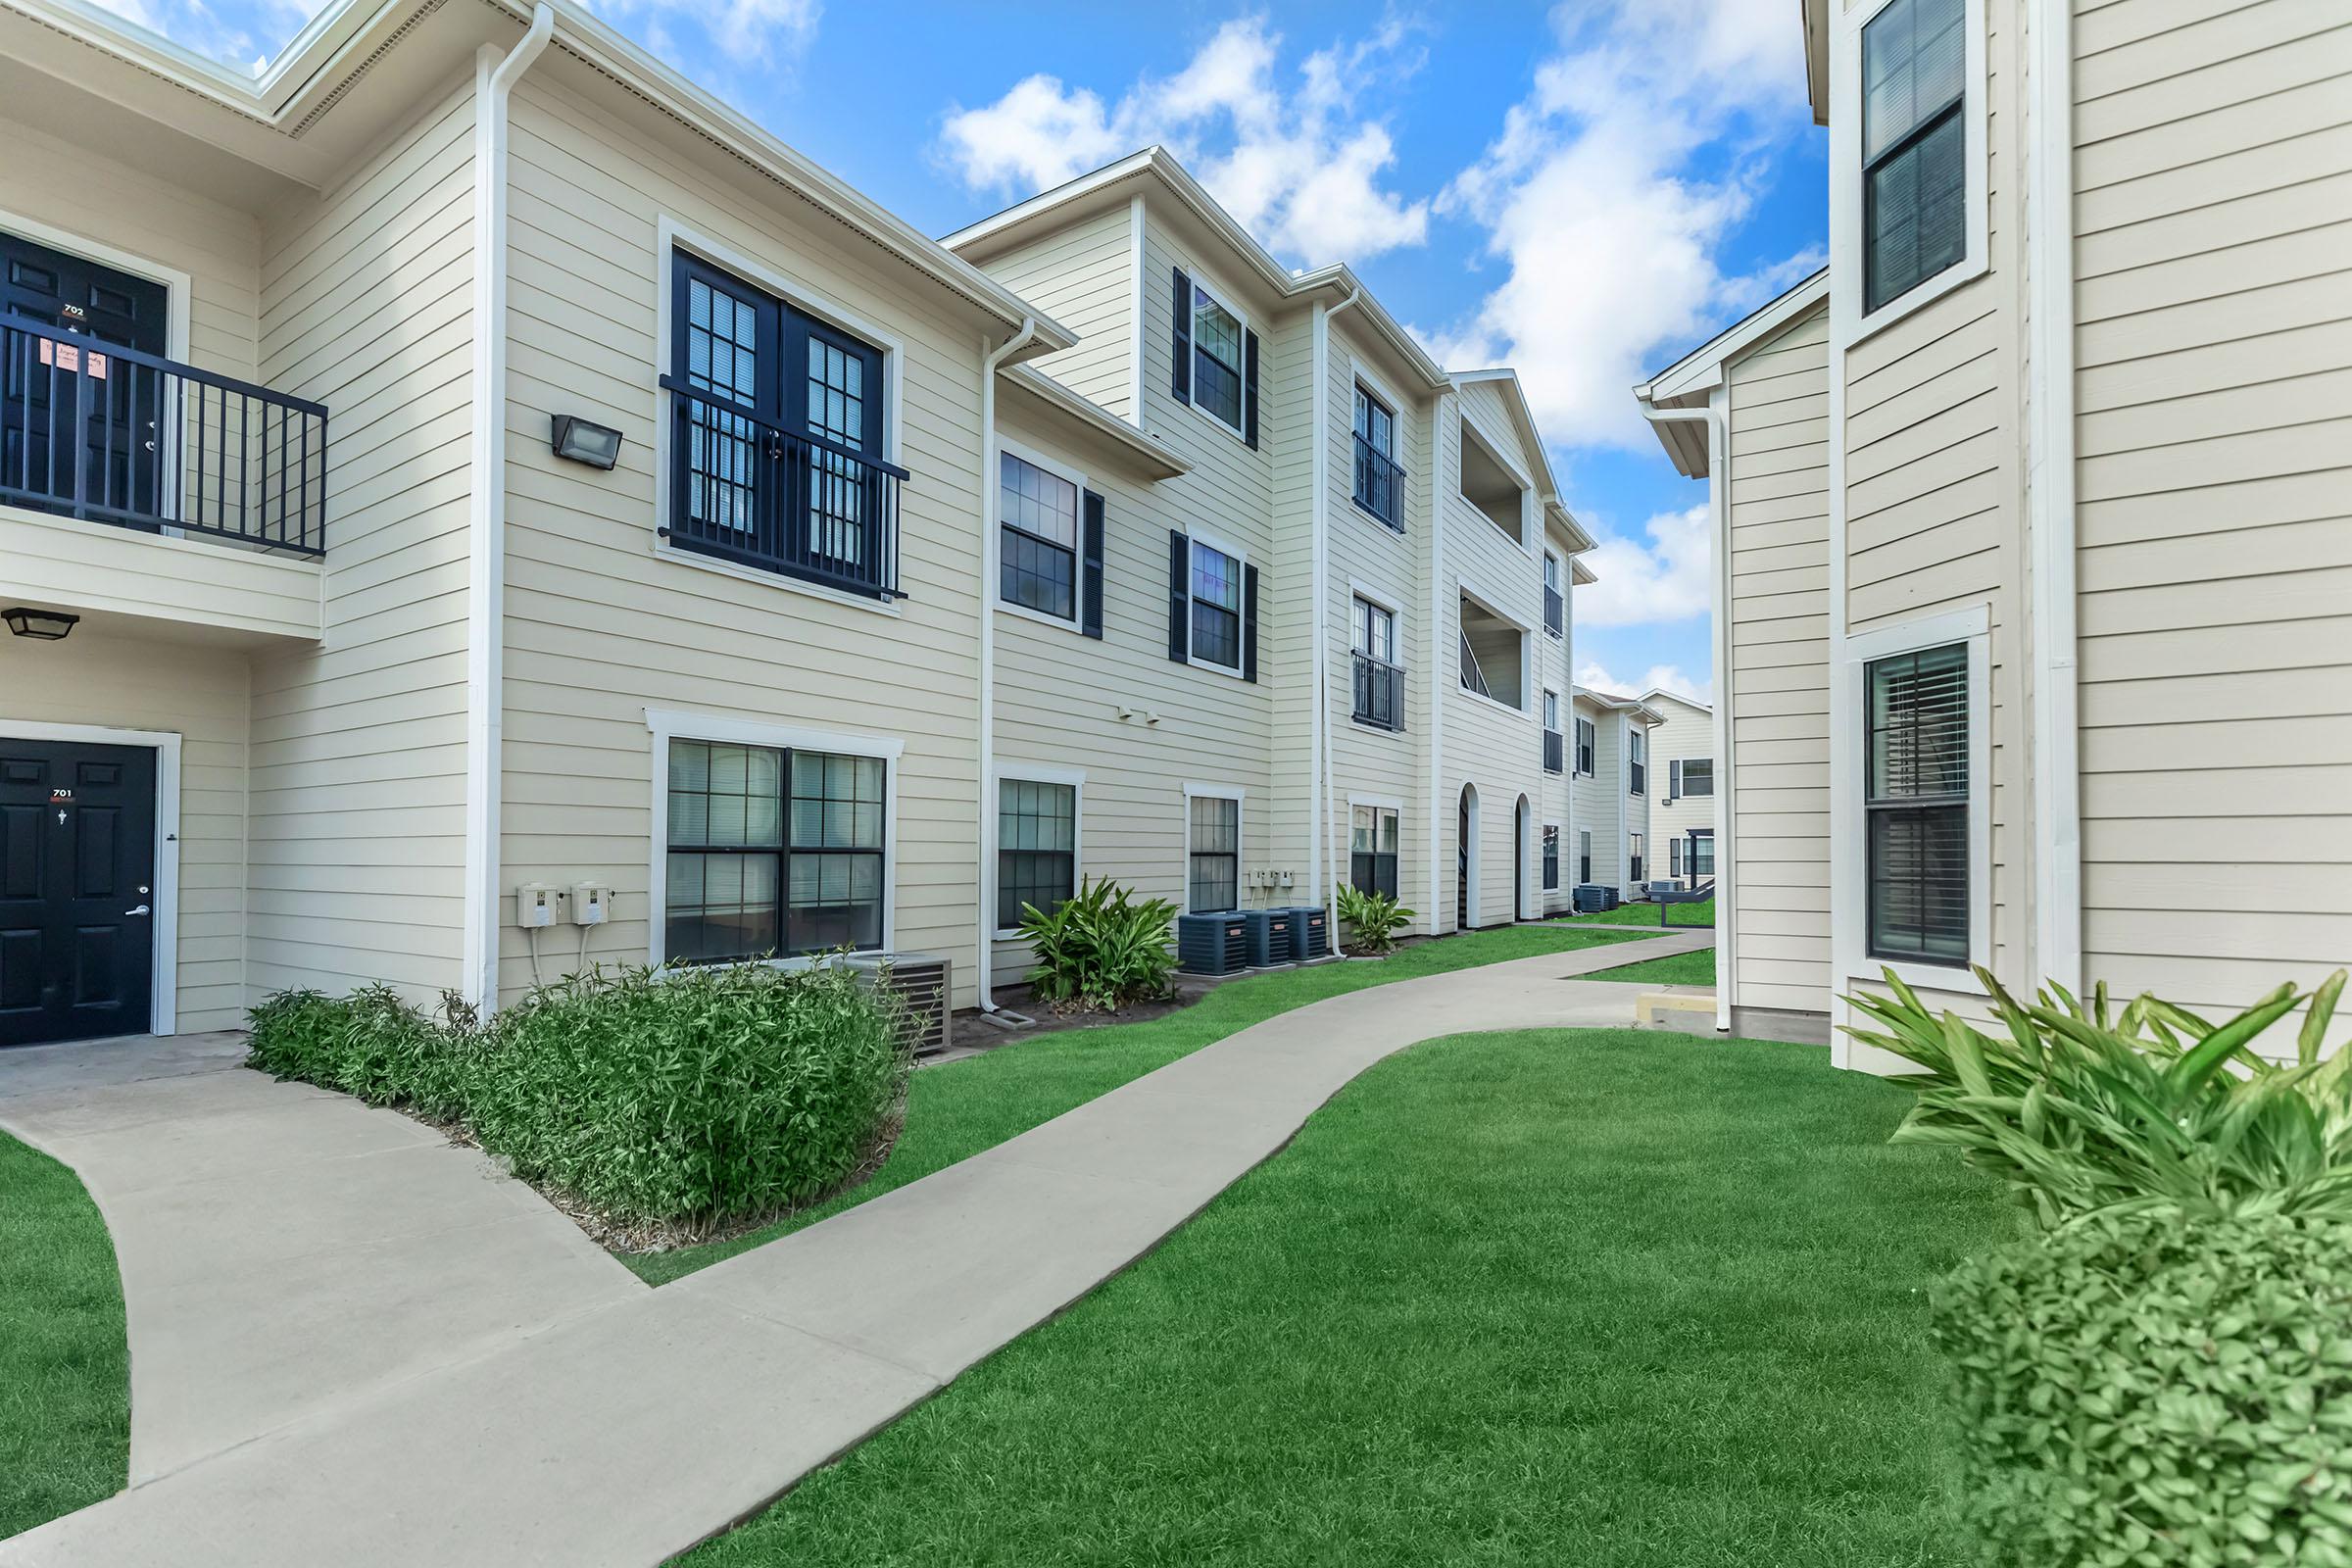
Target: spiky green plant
{"type": "Point", "coordinates": [1101, 947]}
{"type": "Point", "coordinates": [2085, 1109]}
{"type": "Point", "coordinates": [1374, 917]}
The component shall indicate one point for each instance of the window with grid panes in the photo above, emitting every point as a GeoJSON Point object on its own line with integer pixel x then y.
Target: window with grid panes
{"type": "Point", "coordinates": [1213, 855]}
{"type": "Point", "coordinates": [1039, 512]}
{"type": "Point", "coordinates": [1037, 848]}
{"type": "Point", "coordinates": [772, 851]}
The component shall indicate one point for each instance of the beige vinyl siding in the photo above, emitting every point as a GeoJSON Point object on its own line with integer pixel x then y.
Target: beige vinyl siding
{"type": "Point", "coordinates": [1084, 277]}
{"type": "Point", "coordinates": [74, 189]}
{"type": "Point", "coordinates": [1059, 693]}
{"type": "Point", "coordinates": [1934, 487]}
{"type": "Point", "coordinates": [1368, 762]}
{"type": "Point", "coordinates": [104, 677]}
{"type": "Point", "coordinates": [1555, 669]}
{"type": "Point", "coordinates": [1780, 677]}
{"type": "Point", "coordinates": [357, 797]}
{"type": "Point", "coordinates": [2213, 213]}
{"type": "Point", "coordinates": [600, 627]}
{"type": "Point", "coordinates": [1230, 494]}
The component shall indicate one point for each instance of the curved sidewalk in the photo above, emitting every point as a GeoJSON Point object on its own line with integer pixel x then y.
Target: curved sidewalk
{"type": "Point", "coordinates": [623, 1433]}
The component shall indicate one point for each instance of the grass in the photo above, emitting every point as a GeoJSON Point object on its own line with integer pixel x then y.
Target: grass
{"type": "Point", "coordinates": [1700, 914]}
{"type": "Point", "coordinates": [960, 1108]}
{"type": "Point", "coordinates": [1674, 970]}
{"type": "Point", "coordinates": [1614, 1299]}
{"type": "Point", "coordinates": [64, 1364]}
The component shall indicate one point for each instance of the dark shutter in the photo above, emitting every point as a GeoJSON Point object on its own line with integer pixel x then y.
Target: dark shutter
{"type": "Point", "coordinates": [1248, 623]}
{"type": "Point", "coordinates": [1249, 389]}
{"type": "Point", "coordinates": [1091, 592]}
{"type": "Point", "coordinates": [1180, 599]}
{"type": "Point", "coordinates": [1180, 377]}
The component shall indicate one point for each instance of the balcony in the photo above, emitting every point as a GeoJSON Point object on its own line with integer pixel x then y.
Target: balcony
{"type": "Point", "coordinates": [1379, 693]}
{"type": "Point", "coordinates": [783, 499]}
{"type": "Point", "coordinates": [1379, 484]}
{"type": "Point", "coordinates": [100, 433]}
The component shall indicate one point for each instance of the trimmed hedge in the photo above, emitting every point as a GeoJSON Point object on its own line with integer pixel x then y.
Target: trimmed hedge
{"type": "Point", "coordinates": [690, 1098]}
{"type": "Point", "coordinates": [2141, 1388]}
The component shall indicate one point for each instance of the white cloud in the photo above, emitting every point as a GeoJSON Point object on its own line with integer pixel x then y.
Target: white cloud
{"type": "Point", "coordinates": [1661, 576]}
{"type": "Point", "coordinates": [1288, 154]}
{"type": "Point", "coordinates": [244, 42]}
{"type": "Point", "coordinates": [738, 33]}
{"type": "Point", "coordinates": [1592, 203]}
{"type": "Point", "coordinates": [1666, 677]}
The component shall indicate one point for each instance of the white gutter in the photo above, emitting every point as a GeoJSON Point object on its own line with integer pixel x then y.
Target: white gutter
{"type": "Point", "coordinates": [2050, 500]}
{"type": "Point", "coordinates": [1441, 656]}
{"type": "Point", "coordinates": [1320, 767]}
{"type": "Point", "coordinates": [486, 513]}
{"type": "Point", "coordinates": [1719, 594]}
{"type": "Point", "coordinates": [985, 926]}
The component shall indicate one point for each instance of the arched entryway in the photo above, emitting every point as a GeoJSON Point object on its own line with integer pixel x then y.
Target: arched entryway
{"type": "Point", "coordinates": [1465, 860]}
{"type": "Point", "coordinates": [1522, 824]}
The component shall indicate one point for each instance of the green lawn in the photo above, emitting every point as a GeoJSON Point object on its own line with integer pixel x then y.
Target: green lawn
{"type": "Point", "coordinates": [1700, 913]}
{"type": "Point", "coordinates": [1675, 970]}
{"type": "Point", "coordinates": [65, 1366]}
{"type": "Point", "coordinates": [957, 1110]}
{"type": "Point", "coordinates": [1613, 1298]}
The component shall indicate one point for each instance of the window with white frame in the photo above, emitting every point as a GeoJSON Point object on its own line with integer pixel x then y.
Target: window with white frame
{"type": "Point", "coordinates": [1588, 739]}
{"type": "Point", "coordinates": [772, 851]}
{"type": "Point", "coordinates": [1216, 599]}
{"type": "Point", "coordinates": [1372, 849]}
{"type": "Point", "coordinates": [1553, 741]}
{"type": "Point", "coordinates": [1037, 848]}
{"type": "Point", "coordinates": [1039, 512]}
{"type": "Point", "coordinates": [1692, 777]}
{"type": "Point", "coordinates": [1212, 854]}
{"type": "Point", "coordinates": [1584, 854]}
{"type": "Point", "coordinates": [1633, 858]}
{"type": "Point", "coordinates": [1702, 852]}
{"type": "Point", "coordinates": [1379, 481]}
{"type": "Point", "coordinates": [1217, 366]}
{"type": "Point", "coordinates": [1637, 742]}
{"type": "Point", "coordinates": [1551, 858]}
{"type": "Point", "coordinates": [1917, 795]}
{"type": "Point", "coordinates": [1379, 672]}
{"type": "Point", "coordinates": [1914, 146]}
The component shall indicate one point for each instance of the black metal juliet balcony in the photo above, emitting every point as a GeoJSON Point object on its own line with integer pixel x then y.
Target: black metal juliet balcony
{"type": "Point", "coordinates": [90, 429]}
{"type": "Point", "coordinates": [784, 500]}
{"type": "Point", "coordinates": [1379, 484]}
{"type": "Point", "coordinates": [1379, 693]}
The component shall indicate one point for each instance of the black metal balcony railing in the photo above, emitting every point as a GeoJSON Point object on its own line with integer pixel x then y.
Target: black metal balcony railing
{"type": "Point", "coordinates": [1379, 693]}
{"type": "Point", "coordinates": [1379, 484]}
{"type": "Point", "coordinates": [1555, 610]}
{"type": "Point", "coordinates": [789, 501]}
{"type": "Point", "coordinates": [1555, 752]}
{"type": "Point", "coordinates": [90, 429]}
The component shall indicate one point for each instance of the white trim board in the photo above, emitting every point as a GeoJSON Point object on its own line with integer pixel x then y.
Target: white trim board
{"type": "Point", "coordinates": [162, 1006]}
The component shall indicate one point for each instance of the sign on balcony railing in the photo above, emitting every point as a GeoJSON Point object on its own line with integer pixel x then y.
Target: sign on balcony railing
{"type": "Point", "coordinates": [786, 500]}
{"type": "Point", "coordinates": [93, 430]}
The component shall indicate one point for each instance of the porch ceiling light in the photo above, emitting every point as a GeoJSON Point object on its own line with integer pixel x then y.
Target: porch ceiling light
{"type": "Point", "coordinates": [44, 626]}
{"type": "Point", "coordinates": [596, 445]}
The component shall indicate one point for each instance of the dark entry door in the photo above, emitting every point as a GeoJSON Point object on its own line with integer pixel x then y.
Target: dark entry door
{"type": "Point", "coordinates": [77, 889]}
{"type": "Point", "coordinates": [1462, 865]}
{"type": "Point", "coordinates": [117, 444]}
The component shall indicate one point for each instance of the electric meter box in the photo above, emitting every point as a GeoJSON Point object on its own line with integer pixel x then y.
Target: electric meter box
{"type": "Point", "coordinates": [591, 903]}
{"type": "Point", "coordinates": [535, 905]}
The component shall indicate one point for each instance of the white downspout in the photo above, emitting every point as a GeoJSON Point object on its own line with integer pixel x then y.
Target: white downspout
{"type": "Point", "coordinates": [1727, 862]}
{"type": "Point", "coordinates": [986, 925]}
{"type": "Point", "coordinates": [1321, 771]}
{"type": "Point", "coordinates": [486, 515]}
{"type": "Point", "coordinates": [1442, 656]}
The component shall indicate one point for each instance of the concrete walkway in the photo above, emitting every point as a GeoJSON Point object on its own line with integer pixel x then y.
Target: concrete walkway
{"type": "Point", "coordinates": [283, 1249]}
{"type": "Point", "coordinates": [622, 1432]}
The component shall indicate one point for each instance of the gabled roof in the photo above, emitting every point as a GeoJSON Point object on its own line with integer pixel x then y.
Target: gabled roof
{"type": "Point", "coordinates": [1582, 574]}
{"type": "Point", "coordinates": [1615, 703]}
{"type": "Point", "coordinates": [1156, 167]}
{"type": "Point", "coordinates": [1090, 422]}
{"type": "Point", "coordinates": [1687, 381]}
{"type": "Point", "coordinates": [1656, 691]}
{"type": "Point", "coordinates": [1531, 439]}
{"type": "Point", "coordinates": [355, 70]}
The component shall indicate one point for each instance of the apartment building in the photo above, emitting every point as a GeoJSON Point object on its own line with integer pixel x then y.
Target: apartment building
{"type": "Point", "coordinates": [1681, 761]}
{"type": "Point", "coordinates": [472, 504]}
{"type": "Point", "coordinates": [1612, 783]}
{"type": "Point", "coordinates": [2030, 511]}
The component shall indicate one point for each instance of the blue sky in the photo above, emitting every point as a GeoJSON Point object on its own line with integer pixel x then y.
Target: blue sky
{"type": "Point", "coordinates": [1582, 193]}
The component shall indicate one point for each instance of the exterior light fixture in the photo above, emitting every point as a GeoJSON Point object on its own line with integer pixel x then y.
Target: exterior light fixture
{"type": "Point", "coordinates": [596, 445]}
{"type": "Point", "coordinates": [44, 626]}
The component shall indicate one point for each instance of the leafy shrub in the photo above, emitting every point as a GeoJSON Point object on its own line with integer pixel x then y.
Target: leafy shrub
{"type": "Point", "coordinates": [2150, 1388]}
{"type": "Point", "coordinates": [1102, 948]}
{"type": "Point", "coordinates": [372, 1044]}
{"type": "Point", "coordinates": [689, 1098]}
{"type": "Point", "coordinates": [2083, 1109]}
{"type": "Point", "coordinates": [1375, 918]}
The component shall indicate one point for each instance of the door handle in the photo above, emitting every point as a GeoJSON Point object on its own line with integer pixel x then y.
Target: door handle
{"type": "Point", "coordinates": [141, 909]}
